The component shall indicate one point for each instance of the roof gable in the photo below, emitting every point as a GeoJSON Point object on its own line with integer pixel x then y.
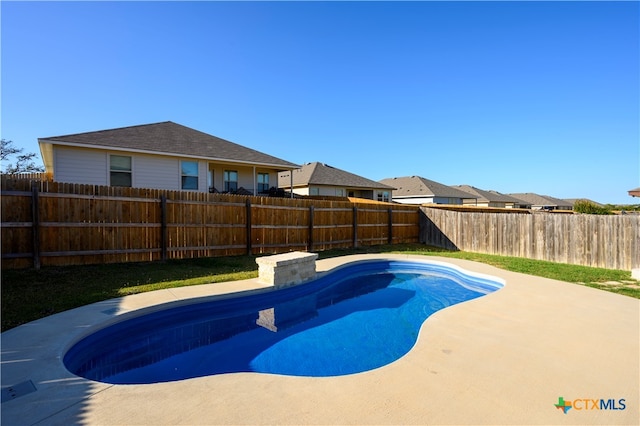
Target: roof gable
{"type": "Point", "coordinates": [322, 174]}
{"type": "Point", "coordinates": [169, 138]}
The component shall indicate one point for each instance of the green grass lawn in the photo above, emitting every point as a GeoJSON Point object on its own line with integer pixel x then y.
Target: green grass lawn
{"type": "Point", "coordinates": [29, 294]}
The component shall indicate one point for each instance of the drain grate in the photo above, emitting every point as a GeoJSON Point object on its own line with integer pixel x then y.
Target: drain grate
{"type": "Point", "coordinates": [16, 391]}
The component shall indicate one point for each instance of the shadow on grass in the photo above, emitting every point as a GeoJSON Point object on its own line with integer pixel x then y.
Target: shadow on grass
{"type": "Point", "coordinates": [29, 294]}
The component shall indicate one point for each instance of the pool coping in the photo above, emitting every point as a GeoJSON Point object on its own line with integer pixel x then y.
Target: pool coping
{"type": "Point", "coordinates": [504, 358]}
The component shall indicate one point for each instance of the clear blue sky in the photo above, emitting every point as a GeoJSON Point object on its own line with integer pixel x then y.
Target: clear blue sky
{"type": "Point", "coordinates": [512, 96]}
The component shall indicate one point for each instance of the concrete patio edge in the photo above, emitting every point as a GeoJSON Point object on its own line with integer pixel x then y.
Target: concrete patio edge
{"type": "Point", "coordinates": [505, 358]}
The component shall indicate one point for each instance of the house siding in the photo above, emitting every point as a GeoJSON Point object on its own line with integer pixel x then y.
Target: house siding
{"type": "Point", "coordinates": [427, 200]}
{"type": "Point", "coordinates": [301, 191]}
{"type": "Point", "coordinates": [77, 165]}
{"type": "Point", "coordinates": [333, 191]}
{"type": "Point", "coordinates": [330, 191]}
{"type": "Point", "coordinates": [80, 166]}
{"type": "Point", "coordinates": [469, 202]}
{"type": "Point", "coordinates": [91, 166]}
{"type": "Point", "coordinates": [447, 200]}
{"type": "Point", "coordinates": [203, 169]}
{"type": "Point", "coordinates": [245, 178]}
{"type": "Point", "coordinates": [156, 172]}
{"type": "Point", "coordinates": [413, 200]}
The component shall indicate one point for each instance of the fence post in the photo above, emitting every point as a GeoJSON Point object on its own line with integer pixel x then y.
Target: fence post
{"type": "Point", "coordinates": [421, 226]}
{"type": "Point", "coordinates": [249, 226]}
{"type": "Point", "coordinates": [35, 224]}
{"type": "Point", "coordinates": [390, 231]}
{"type": "Point", "coordinates": [355, 226]}
{"type": "Point", "coordinates": [311, 210]}
{"type": "Point", "coordinates": [163, 227]}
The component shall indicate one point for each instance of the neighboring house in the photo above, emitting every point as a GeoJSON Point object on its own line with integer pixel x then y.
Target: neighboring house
{"type": "Point", "coordinates": [487, 198]}
{"type": "Point", "coordinates": [418, 190]}
{"type": "Point", "coordinates": [322, 179]}
{"type": "Point", "coordinates": [161, 155]}
{"type": "Point", "coordinates": [543, 202]}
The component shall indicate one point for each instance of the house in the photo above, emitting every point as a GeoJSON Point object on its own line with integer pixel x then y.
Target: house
{"type": "Point", "coordinates": [162, 155]}
{"type": "Point", "coordinates": [634, 192]}
{"type": "Point", "coordinates": [418, 190]}
{"type": "Point", "coordinates": [487, 198]}
{"type": "Point", "coordinates": [322, 179]}
{"type": "Point", "coordinates": [542, 202]}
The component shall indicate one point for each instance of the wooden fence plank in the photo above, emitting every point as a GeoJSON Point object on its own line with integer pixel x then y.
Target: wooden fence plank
{"type": "Point", "coordinates": [81, 224]}
{"type": "Point", "coordinates": [35, 226]}
{"type": "Point", "coordinates": [591, 240]}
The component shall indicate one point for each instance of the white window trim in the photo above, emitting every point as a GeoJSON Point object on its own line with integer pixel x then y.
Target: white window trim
{"type": "Point", "coordinates": [224, 180]}
{"type": "Point", "coordinates": [133, 162]}
{"type": "Point", "coordinates": [267, 174]}
{"type": "Point", "coordinates": [197, 175]}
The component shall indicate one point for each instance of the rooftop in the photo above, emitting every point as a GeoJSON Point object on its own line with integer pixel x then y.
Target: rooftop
{"type": "Point", "coordinates": [417, 186]}
{"type": "Point", "coordinates": [168, 138]}
{"type": "Point", "coordinates": [323, 174]}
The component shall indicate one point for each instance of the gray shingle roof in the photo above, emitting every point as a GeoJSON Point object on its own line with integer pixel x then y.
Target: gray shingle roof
{"type": "Point", "coordinates": [170, 138]}
{"type": "Point", "coordinates": [486, 196]}
{"type": "Point", "coordinates": [541, 200]}
{"type": "Point", "coordinates": [323, 174]}
{"type": "Point", "coordinates": [416, 186]}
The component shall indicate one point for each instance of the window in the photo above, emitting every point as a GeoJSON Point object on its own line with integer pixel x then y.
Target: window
{"type": "Point", "coordinates": [189, 173]}
{"type": "Point", "coordinates": [314, 191]}
{"type": "Point", "coordinates": [263, 182]}
{"type": "Point", "coordinates": [230, 181]}
{"type": "Point", "coordinates": [120, 170]}
{"type": "Point", "coordinates": [340, 192]}
{"type": "Point", "coordinates": [383, 196]}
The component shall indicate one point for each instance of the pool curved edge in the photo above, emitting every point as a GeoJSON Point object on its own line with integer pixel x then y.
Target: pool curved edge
{"type": "Point", "coordinates": [486, 284]}
{"type": "Point", "coordinates": [524, 314]}
{"type": "Point", "coordinates": [205, 320]}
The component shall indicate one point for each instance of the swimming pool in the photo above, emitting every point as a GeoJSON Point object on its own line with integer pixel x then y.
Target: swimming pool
{"type": "Point", "coordinates": [356, 318]}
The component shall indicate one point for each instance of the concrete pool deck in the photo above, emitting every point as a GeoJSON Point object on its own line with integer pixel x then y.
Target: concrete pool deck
{"type": "Point", "coordinates": [505, 358]}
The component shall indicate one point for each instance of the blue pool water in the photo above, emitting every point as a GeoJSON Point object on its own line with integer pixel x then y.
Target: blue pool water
{"type": "Point", "coordinates": [360, 317]}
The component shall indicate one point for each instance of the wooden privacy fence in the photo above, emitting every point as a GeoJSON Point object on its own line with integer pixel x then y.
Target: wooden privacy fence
{"type": "Point", "coordinates": [49, 223]}
{"type": "Point", "coordinates": [611, 242]}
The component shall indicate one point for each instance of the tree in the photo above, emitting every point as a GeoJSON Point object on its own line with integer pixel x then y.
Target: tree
{"type": "Point", "coordinates": [24, 163]}
{"type": "Point", "coordinates": [589, 207]}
